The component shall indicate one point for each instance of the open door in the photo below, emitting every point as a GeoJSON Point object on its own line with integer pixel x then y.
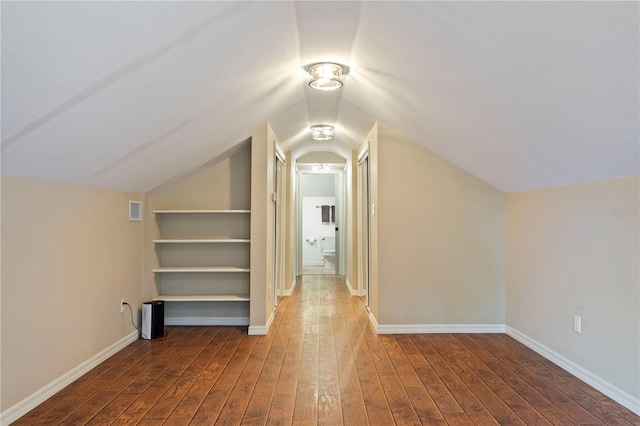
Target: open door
{"type": "Point", "coordinates": [279, 204]}
{"type": "Point", "coordinates": [363, 225]}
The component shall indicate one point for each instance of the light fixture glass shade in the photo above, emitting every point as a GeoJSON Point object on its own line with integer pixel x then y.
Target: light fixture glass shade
{"type": "Point", "coordinates": [325, 76]}
{"type": "Point", "coordinates": [322, 132]}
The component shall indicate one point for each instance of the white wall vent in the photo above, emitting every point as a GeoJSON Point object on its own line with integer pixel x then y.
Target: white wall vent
{"type": "Point", "coordinates": [135, 211]}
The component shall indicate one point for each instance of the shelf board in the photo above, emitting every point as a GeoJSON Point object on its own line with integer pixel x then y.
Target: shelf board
{"type": "Point", "coordinates": [198, 211]}
{"type": "Point", "coordinates": [182, 269]}
{"type": "Point", "coordinates": [204, 298]}
{"type": "Point", "coordinates": [200, 240]}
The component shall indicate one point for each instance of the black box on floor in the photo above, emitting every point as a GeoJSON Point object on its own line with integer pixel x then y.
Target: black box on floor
{"type": "Point", "coordinates": [152, 319]}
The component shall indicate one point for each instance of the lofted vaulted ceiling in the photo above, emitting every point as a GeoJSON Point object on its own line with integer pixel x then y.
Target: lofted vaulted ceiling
{"type": "Point", "coordinates": [126, 95]}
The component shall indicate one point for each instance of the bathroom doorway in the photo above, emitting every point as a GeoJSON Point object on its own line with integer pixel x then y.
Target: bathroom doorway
{"type": "Point", "coordinates": [320, 219]}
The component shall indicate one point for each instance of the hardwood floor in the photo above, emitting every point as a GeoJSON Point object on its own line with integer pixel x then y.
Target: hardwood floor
{"type": "Point", "coordinates": [317, 270]}
{"type": "Point", "coordinates": [321, 364]}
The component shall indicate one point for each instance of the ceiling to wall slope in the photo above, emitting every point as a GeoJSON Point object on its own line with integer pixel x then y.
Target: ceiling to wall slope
{"type": "Point", "coordinates": [522, 95]}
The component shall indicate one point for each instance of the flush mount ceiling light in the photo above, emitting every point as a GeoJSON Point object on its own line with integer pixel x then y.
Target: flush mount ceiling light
{"type": "Point", "coordinates": [326, 75]}
{"type": "Point", "coordinates": [322, 132]}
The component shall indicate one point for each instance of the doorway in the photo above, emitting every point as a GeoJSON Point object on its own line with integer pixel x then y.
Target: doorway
{"type": "Point", "coordinates": [279, 203]}
{"type": "Point", "coordinates": [320, 219]}
{"type": "Point", "coordinates": [364, 228]}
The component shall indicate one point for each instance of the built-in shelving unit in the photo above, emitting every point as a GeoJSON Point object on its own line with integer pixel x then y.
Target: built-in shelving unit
{"type": "Point", "coordinates": [203, 258]}
{"type": "Point", "coordinates": [208, 298]}
{"type": "Point", "coordinates": [198, 211]}
{"type": "Point", "coordinates": [196, 241]}
{"type": "Point", "coordinates": [183, 269]}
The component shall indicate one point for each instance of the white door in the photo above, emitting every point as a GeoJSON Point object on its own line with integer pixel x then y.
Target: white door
{"type": "Point", "coordinates": [363, 226]}
{"type": "Point", "coordinates": [279, 204]}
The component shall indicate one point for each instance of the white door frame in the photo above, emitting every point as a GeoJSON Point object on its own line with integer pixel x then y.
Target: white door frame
{"type": "Point", "coordinates": [341, 207]}
{"type": "Point", "coordinates": [364, 225]}
{"type": "Point", "coordinates": [279, 201]}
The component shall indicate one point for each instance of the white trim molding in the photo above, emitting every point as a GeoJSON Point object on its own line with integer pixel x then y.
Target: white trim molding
{"type": "Point", "coordinates": [354, 292]}
{"type": "Point", "coordinates": [206, 320]}
{"type": "Point", "coordinates": [621, 397]}
{"type": "Point", "coordinates": [439, 328]}
{"type": "Point", "coordinates": [290, 291]}
{"type": "Point", "coordinates": [18, 410]}
{"type": "Point", "coordinates": [261, 330]}
{"type": "Point", "coordinates": [258, 330]}
{"type": "Point", "coordinates": [351, 290]}
{"type": "Point", "coordinates": [373, 321]}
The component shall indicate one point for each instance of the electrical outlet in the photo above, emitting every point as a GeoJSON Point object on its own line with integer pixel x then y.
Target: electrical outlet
{"type": "Point", "coordinates": [122, 302]}
{"type": "Point", "coordinates": [577, 323]}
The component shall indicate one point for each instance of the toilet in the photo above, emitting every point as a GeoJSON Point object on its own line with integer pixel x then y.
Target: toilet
{"type": "Point", "coordinates": [328, 247]}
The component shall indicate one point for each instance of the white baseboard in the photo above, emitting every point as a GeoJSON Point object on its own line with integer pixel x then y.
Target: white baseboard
{"type": "Point", "coordinates": [206, 320]}
{"type": "Point", "coordinates": [290, 291]}
{"type": "Point", "coordinates": [270, 320]}
{"type": "Point", "coordinates": [439, 328]}
{"type": "Point", "coordinates": [18, 410]}
{"type": "Point", "coordinates": [373, 321]}
{"type": "Point", "coordinates": [621, 397]}
{"type": "Point", "coordinates": [352, 290]}
{"type": "Point", "coordinates": [261, 330]}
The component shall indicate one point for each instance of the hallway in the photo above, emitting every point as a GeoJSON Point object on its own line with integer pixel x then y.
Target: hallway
{"type": "Point", "coordinates": [322, 364]}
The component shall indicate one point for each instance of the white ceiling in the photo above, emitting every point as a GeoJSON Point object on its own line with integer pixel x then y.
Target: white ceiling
{"type": "Point", "coordinates": [523, 95]}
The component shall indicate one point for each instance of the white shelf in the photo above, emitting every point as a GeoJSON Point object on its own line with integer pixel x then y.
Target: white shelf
{"type": "Point", "coordinates": [182, 269]}
{"type": "Point", "coordinates": [198, 211]}
{"type": "Point", "coordinates": [204, 298]}
{"type": "Point", "coordinates": [201, 237]}
{"type": "Point", "coordinates": [201, 240]}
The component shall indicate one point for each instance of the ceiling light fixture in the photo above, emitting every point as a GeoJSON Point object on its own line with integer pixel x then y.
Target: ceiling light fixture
{"type": "Point", "coordinates": [322, 132]}
{"type": "Point", "coordinates": [326, 75]}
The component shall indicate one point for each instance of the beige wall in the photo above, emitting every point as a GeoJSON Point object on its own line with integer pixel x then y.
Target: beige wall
{"type": "Point", "coordinates": [321, 157]}
{"type": "Point", "coordinates": [574, 250]}
{"type": "Point", "coordinates": [440, 238]}
{"type": "Point", "coordinates": [223, 184]}
{"type": "Point", "coordinates": [69, 255]}
{"type": "Point", "coordinates": [263, 142]}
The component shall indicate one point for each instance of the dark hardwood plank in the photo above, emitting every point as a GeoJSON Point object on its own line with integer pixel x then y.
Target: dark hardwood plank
{"type": "Point", "coordinates": [283, 399]}
{"type": "Point", "coordinates": [378, 411]}
{"type": "Point", "coordinates": [440, 394]}
{"type": "Point", "coordinates": [306, 400]}
{"type": "Point", "coordinates": [112, 410]}
{"type": "Point", "coordinates": [72, 389]}
{"type": "Point", "coordinates": [561, 400]}
{"type": "Point", "coordinates": [494, 403]}
{"type": "Point", "coordinates": [87, 411]}
{"type": "Point", "coordinates": [214, 337]}
{"type": "Point", "coordinates": [323, 364]}
{"type": "Point", "coordinates": [588, 398]}
{"type": "Point", "coordinates": [329, 397]}
{"type": "Point", "coordinates": [401, 408]}
{"type": "Point", "coordinates": [475, 410]}
{"type": "Point", "coordinates": [81, 391]}
{"type": "Point", "coordinates": [236, 404]}
{"type": "Point", "coordinates": [353, 406]}
{"type": "Point", "coordinates": [190, 404]}
{"type": "Point", "coordinates": [258, 407]}
{"type": "Point", "coordinates": [425, 407]}
{"type": "Point", "coordinates": [496, 367]}
{"type": "Point", "coordinates": [232, 338]}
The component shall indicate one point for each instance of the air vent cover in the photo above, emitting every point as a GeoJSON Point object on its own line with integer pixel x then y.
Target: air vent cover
{"type": "Point", "coordinates": [135, 211]}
